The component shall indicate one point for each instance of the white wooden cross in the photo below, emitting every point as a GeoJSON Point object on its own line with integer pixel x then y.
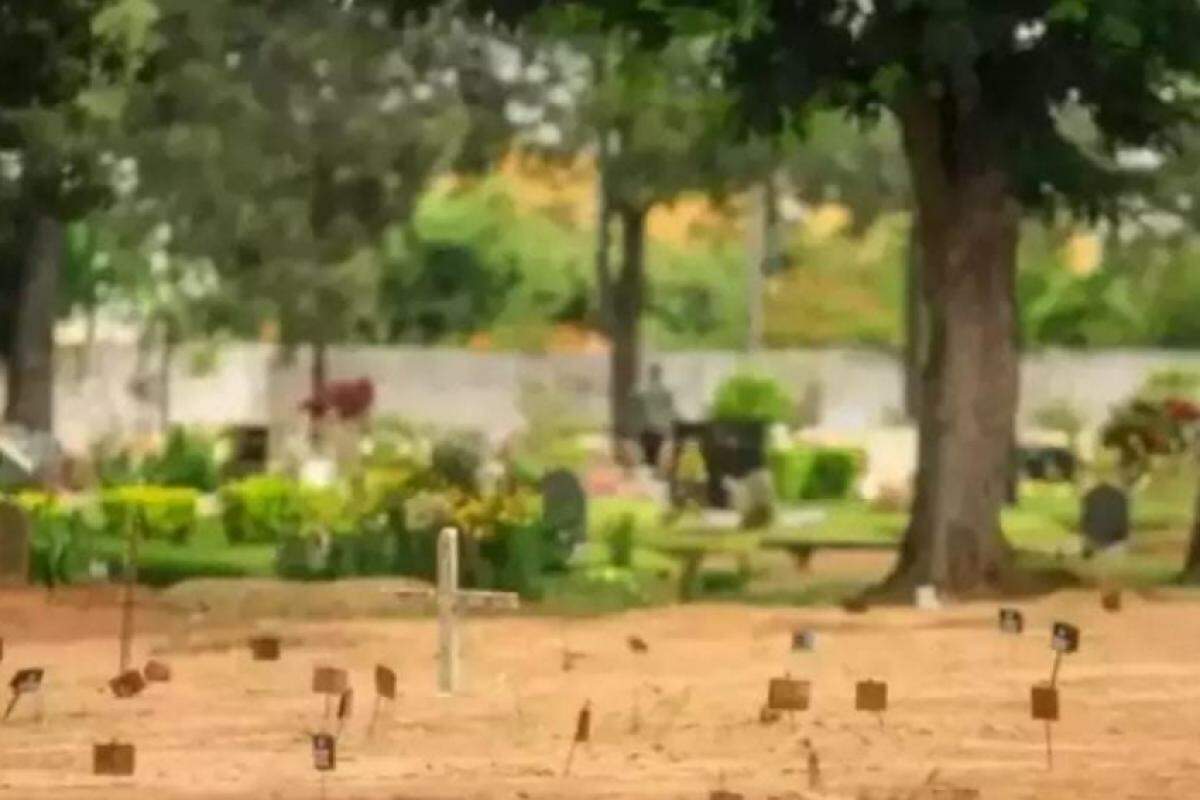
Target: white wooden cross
{"type": "Point", "coordinates": [451, 601]}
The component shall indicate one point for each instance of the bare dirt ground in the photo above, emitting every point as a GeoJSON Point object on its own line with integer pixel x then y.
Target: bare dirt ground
{"type": "Point", "coordinates": [229, 727]}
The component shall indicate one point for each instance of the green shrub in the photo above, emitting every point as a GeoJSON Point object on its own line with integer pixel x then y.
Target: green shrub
{"type": "Point", "coordinates": [814, 473]}
{"type": "Point", "coordinates": [188, 459]}
{"type": "Point", "coordinates": [457, 459]}
{"type": "Point", "coordinates": [619, 536]}
{"type": "Point", "coordinates": [752, 398]}
{"type": "Point", "coordinates": [832, 474]}
{"type": "Point", "coordinates": [60, 545]}
{"type": "Point", "coordinates": [166, 513]}
{"type": "Point", "coordinates": [268, 508]}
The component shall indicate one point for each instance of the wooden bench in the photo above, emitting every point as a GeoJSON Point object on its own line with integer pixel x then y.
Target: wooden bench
{"type": "Point", "coordinates": [801, 549]}
{"type": "Point", "coordinates": [692, 550]}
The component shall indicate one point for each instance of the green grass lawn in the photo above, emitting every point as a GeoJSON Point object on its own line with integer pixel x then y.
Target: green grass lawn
{"type": "Point", "coordinates": [206, 555]}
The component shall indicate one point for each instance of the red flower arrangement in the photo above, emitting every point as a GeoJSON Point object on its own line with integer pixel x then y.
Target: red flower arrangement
{"type": "Point", "coordinates": [349, 399]}
{"type": "Point", "coordinates": [1182, 411]}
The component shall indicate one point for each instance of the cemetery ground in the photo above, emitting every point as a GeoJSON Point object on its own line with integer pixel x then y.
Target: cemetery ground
{"type": "Point", "coordinates": [675, 721]}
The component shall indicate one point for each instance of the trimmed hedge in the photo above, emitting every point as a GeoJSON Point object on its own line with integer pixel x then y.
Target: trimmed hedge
{"type": "Point", "coordinates": [60, 546]}
{"type": "Point", "coordinates": [814, 473]}
{"type": "Point", "coordinates": [267, 509]}
{"type": "Point", "coordinates": [162, 512]}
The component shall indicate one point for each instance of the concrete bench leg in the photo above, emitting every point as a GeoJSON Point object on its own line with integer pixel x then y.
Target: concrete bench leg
{"type": "Point", "coordinates": [802, 556]}
{"type": "Point", "coordinates": [689, 577]}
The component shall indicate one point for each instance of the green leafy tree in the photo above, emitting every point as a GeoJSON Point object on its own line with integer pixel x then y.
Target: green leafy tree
{"type": "Point", "coordinates": [978, 89]}
{"type": "Point", "coordinates": [63, 66]}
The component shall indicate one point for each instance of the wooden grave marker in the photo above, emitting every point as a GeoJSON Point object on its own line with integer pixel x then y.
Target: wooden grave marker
{"type": "Point", "coordinates": [1044, 701]}
{"type": "Point", "coordinates": [116, 759]}
{"type": "Point", "coordinates": [330, 682]}
{"type": "Point", "coordinates": [265, 648]}
{"type": "Point", "coordinates": [451, 602]}
{"type": "Point", "coordinates": [25, 681]}
{"type": "Point", "coordinates": [872, 697]}
{"type": "Point", "coordinates": [787, 695]}
{"type": "Point", "coordinates": [385, 689]}
{"type": "Point", "coordinates": [583, 734]}
{"type": "Point", "coordinates": [1110, 600]}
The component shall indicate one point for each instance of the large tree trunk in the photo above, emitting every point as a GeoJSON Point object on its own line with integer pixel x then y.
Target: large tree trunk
{"type": "Point", "coordinates": [914, 327]}
{"type": "Point", "coordinates": [31, 363]}
{"type": "Point", "coordinates": [763, 252]}
{"type": "Point", "coordinates": [603, 256]}
{"type": "Point", "coordinates": [318, 378]}
{"type": "Point", "coordinates": [627, 300]}
{"type": "Point", "coordinates": [968, 224]}
{"type": "Point", "coordinates": [1191, 567]}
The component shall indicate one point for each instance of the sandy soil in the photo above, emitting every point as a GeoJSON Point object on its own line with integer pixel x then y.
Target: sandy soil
{"type": "Point", "coordinates": [228, 727]}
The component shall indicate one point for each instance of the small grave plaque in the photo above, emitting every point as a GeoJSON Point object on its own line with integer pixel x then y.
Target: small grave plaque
{"type": "Point", "coordinates": [156, 672]}
{"type": "Point", "coordinates": [871, 696]}
{"type": "Point", "coordinates": [1111, 600]}
{"type": "Point", "coordinates": [330, 680]}
{"type": "Point", "coordinates": [324, 750]}
{"type": "Point", "coordinates": [127, 684]}
{"type": "Point", "coordinates": [385, 682]}
{"type": "Point", "coordinates": [722, 794]}
{"type": "Point", "coordinates": [113, 758]}
{"type": "Point", "coordinates": [788, 694]}
{"type": "Point", "coordinates": [1044, 703]}
{"type": "Point", "coordinates": [1012, 621]}
{"type": "Point", "coordinates": [27, 681]}
{"type": "Point", "coordinates": [265, 648]}
{"type": "Point", "coordinates": [1065, 638]}
{"type": "Point", "coordinates": [804, 641]}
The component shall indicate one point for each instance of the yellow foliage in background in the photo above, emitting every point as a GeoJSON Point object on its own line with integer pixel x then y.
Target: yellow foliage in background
{"type": "Point", "coordinates": [1083, 253]}
{"type": "Point", "coordinates": [566, 192]}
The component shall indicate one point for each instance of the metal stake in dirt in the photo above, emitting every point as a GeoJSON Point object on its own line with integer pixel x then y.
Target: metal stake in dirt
{"type": "Point", "coordinates": [449, 645]}
{"type": "Point", "coordinates": [130, 583]}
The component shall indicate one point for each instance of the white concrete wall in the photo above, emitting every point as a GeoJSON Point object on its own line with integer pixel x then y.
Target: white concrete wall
{"type": "Point", "coordinates": [251, 384]}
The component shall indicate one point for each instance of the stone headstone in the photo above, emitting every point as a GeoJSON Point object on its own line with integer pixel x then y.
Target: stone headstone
{"type": "Point", "coordinates": [26, 456]}
{"type": "Point", "coordinates": [250, 448]}
{"type": "Point", "coordinates": [14, 544]}
{"type": "Point", "coordinates": [1105, 516]}
{"type": "Point", "coordinates": [564, 508]}
{"type": "Point", "coordinates": [15, 467]}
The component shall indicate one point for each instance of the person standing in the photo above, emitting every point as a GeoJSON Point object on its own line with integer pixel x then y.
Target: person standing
{"type": "Point", "coordinates": [657, 406]}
